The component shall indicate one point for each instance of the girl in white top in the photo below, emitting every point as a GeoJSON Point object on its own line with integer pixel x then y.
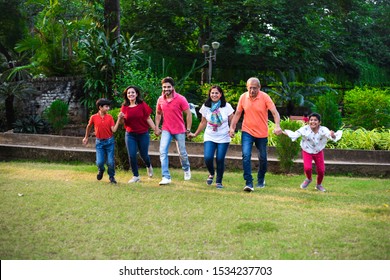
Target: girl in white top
{"type": "Point", "coordinates": [216, 115]}
{"type": "Point", "coordinates": [313, 142]}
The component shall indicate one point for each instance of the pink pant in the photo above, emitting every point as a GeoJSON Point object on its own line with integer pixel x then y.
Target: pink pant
{"type": "Point", "coordinates": [308, 165]}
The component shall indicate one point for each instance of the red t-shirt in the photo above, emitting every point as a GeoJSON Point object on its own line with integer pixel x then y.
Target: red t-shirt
{"type": "Point", "coordinates": [135, 118]}
{"type": "Point", "coordinates": [172, 112]}
{"type": "Point", "coordinates": [102, 125]}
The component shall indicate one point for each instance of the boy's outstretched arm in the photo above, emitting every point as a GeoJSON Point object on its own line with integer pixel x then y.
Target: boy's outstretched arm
{"type": "Point", "coordinates": [87, 131]}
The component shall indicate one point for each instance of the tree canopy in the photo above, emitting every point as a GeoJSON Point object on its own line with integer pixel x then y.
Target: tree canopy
{"type": "Point", "coordinates": [344, 38]}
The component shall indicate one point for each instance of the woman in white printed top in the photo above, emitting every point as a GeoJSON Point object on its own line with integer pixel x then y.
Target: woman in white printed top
{"type": "Point", "coordinates": [313, 142]}
{"type": "Point", "coordinates": [216, 116]}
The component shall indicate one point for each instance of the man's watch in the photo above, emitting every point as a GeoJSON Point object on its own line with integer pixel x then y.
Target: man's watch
{"type": "Point", "coordinates": [188, 130]}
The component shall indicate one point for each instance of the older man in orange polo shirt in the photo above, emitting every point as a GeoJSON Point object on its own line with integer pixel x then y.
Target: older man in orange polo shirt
{"type": "Point", "coordinates": [255, 104]}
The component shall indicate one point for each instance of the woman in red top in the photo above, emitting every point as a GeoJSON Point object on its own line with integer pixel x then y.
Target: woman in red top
{"type": "Point", "coordinates": [137, 120]}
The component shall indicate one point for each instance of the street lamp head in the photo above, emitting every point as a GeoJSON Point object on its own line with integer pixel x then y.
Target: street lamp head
{"type": "Point", "coordinates": [205, 48]}
{"type": "Point", "coordinates": [215, 45]}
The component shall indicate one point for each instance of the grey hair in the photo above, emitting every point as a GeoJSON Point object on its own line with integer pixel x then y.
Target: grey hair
{"type": "Point", "coordinates": [253, 79]}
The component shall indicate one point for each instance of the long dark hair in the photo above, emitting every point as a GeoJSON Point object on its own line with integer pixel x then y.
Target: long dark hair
{"type": "Point", "coordinates": [223, 99]}
{"type": "Point", "coordinates": [138, 99]}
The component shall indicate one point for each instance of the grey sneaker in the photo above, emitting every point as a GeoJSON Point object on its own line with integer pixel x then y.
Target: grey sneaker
{"type": "Point", "coordinates": [248, 189]}
{"type": "Point", "coordinates": [187, 175]}
{"type": "Point", "coordinates": [261, 186]}
{"type": "Point", "coordinates": [209, 180]}
{"type": "Point", "coordinates": [305, 183]}
{"type": "Point", "coordinates": [219, 186]}
{"type": "Point", "coordinates": [320, 188]}
{"type": "Point", "coordinates": [165, 181]}
{"type": "Point", "coordinates": [149, 170]}
{"type": "Point", "coordinates": [135, 179]}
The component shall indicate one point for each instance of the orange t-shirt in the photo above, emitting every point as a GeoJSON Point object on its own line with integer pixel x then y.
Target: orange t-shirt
{"type": "Point", "coordinates": [255, 113]}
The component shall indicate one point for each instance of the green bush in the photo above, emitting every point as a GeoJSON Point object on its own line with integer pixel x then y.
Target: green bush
{"type": "Point", "coordinates": [286, 149]}
{"type": "Point", "coordinates": [363, 139]}
{"type": "Point", "coordinates": [328, 108]}
{"type": "Point", "coordinates": [368, 107]}
{"type": "Point", "coordinates": [57, 115]}
{"type": "Point", "coordinates": [32, 124]}
{"type": "Point", "coordinates": [145, 80]}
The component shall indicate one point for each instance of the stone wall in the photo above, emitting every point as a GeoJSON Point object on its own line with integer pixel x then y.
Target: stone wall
{"type": "Point", "coordinates": [68, 89]}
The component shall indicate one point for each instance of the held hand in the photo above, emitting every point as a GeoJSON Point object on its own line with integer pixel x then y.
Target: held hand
{"type": "Point", "coordinates": [332, 134]}
{"type": "Point", "coordinates": [85, 141]}
{"type": "Point", "coordinates": [157, 131]}
{"type": "Point", "coordinates": [278, 131]}
{"type": "Point", "coordinates": [231, 133]}
{"type": "Point", "coordinates": [121, 115]}
{"type": "Point", "coordinates": [191, 135]}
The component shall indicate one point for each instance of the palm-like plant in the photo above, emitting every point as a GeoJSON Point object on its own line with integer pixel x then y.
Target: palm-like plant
{"type": "Point", "coordinates": [14, 84]}
{"type": "Point", "coordinates": [104, 58]}
{"type": "Point", "coordinates": [290, 93]}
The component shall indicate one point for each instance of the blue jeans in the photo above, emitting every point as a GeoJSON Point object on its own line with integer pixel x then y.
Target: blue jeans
{"type": "Point", "coordinates": [105, 153]}
{"type": "Point", "coordinates": [209, 149]}
{"type": "Point", "coordinates": [165, 142]}
{"type": "Point", "coordinates": [247, 141]}
{"type": "Point", "coordinates": [140, 142]}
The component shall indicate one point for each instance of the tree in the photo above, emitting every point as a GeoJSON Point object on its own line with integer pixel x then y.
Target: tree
{"type": "Point", "coordinates": [112, 17]}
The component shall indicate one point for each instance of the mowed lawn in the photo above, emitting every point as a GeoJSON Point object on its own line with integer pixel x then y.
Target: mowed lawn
{"type": "Point", "coordinates": [60, 211]}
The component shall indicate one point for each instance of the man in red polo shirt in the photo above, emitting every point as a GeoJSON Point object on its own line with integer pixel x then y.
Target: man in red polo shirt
{"type": "Point", "coordinates": [170, 108]}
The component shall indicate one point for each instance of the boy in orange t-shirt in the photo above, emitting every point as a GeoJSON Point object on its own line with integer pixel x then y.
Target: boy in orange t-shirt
{"type": "Point", "coordinates": [255, 104]}
{"type": "Point", "coordinates": [104, 126]}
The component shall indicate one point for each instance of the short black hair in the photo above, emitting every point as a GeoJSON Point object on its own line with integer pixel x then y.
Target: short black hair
{"type": "Point", "coordinates": [318, 116]}
{"type": "Point", "coordinates": [102, 102]}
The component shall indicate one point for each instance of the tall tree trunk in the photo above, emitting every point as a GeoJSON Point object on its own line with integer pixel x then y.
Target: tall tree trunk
{"type": "Point", "coordinates": [112, 27]}
{"type": "Point", "coordinates": [9, 111]}
{"type": "Point", "coordinates": [112, 18]}
{"type": "Point", "coordinates": [9, 101]}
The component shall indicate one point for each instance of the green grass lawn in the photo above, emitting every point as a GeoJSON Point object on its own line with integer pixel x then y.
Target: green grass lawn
{"type": "Point", "coordinates": [60, 211]}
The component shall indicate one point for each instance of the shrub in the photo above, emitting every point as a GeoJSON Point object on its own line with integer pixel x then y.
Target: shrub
{"type": "Point", "coordinates": [328, 108]}
{"type": "Point", "coordinates": [368, 107]}
{"type": "Point", "coordinates": [286, 149]}
{"type": "Point", "coordinates": [32, 124]}
{"type": "Point", "coordinates": [363, 139]}
{"type": "Point", "coordinates": [57, 115]}
{"type": "Point", "coordinates": [146, 80]}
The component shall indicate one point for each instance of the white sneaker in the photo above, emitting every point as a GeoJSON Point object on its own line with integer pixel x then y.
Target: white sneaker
{"type": "Point", "coordinates": [135, 179]}
{"type": "Point", "coordinates": [165, 181]}
{"type": "Point", "coordinates": [149, 170]}
{"type": "Point", "coordinates": [187, 175]}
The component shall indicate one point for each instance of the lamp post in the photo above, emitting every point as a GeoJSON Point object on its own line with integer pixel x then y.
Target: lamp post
{"type": "Point", "coordinates": [210, 55]}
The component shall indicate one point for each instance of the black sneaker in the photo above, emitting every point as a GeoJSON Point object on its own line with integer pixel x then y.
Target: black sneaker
{"type": "Point", "coordinates": [112, 180]}
{"type": "Point", "coordinates": [99, 176]}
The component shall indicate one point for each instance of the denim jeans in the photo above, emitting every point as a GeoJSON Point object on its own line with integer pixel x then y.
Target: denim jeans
{"type": "Point", "coordinates": [247, 141]}
{"type": "Point", "coordinates": [210, 148]}
{"type": "Point", "coordinates": [105, 153]}
{"type": "Point", "coordinates": [165, 142]}
{"type": "Point", "coordinates": [140, 142]}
